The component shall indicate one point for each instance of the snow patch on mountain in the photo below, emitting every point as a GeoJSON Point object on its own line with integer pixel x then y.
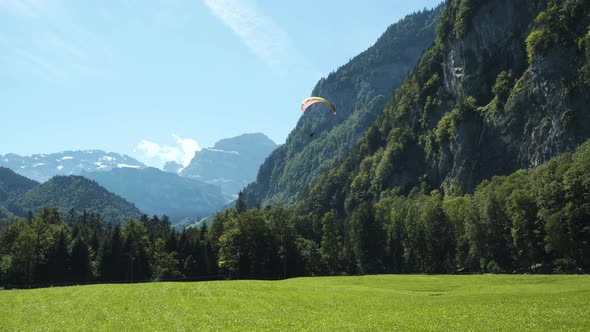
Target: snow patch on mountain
{"type": "Point", "coordinates": [127, 166]}
{"type": "Point", "coordinates": [100, 165]}
{"type": "Point", "coordinates": [222, 151]}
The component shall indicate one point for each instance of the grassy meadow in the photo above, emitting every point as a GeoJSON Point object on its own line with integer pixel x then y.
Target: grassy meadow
{"type": "Point", "coordinates": [367, 303]}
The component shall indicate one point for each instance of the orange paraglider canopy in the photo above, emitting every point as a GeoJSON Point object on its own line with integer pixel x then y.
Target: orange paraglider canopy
{"type": "Point", "coordinates": [314, 100]}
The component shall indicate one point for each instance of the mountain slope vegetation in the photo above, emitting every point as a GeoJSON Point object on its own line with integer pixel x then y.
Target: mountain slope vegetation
{"type": "Point", "coordinates": [12, 184]}
{"type": "Point", "coordinates": [74, 192]}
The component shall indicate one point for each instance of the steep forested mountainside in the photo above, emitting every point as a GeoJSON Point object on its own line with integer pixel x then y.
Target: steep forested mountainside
{"type": "Point", "coordinates": [231, 163]}
{"type": "Point", "coordinates": [158, 192]}
{"type": "Point", "coordinates": [6, 217]}
{"type": "Point", "coordinates": [74, 192]}
{"type": "Point", "coordinates": [359, 90]}
{"type": "Point", "coordinates": [505, 86]}
{"type": "Point", "coordinates": [12, 184]}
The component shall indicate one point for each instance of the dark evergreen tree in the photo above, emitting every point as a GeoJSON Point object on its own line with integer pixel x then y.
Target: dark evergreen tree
{"type": "Point", "coordinates": [72, 216]}
{"type": "Point", "coordinates": [241, 203]}
{"type": "Point", "coordinates": [59, 264]}
{"type": "Point", "coordinates": [203, 232]}
{"type": "Point", "coordinates": [80, 262]}
{"type": "Point", "coordinates": [172, 241]}
{"type": "Point", "coordinates": [113, 261]}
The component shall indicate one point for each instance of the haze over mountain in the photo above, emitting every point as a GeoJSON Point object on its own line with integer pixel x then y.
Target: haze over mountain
{"type": "Point", "coordinates": [231, 163]}
{"type": "Point", "coordinates": [42, 167]}
{"type": "Point", "coordinates": [172, 167]}
{"type": "Point", "coordinates": [157, 192]}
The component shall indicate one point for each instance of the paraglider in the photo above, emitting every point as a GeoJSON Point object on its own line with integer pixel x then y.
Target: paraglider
{"type": "Point", "coordinates": [314, 100]}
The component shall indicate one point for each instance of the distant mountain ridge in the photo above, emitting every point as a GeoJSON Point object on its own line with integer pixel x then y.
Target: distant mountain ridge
{"type": "Point", "coordinates": [158, 192]}
{"type": "Point", "coordinates": [42, 167]}
{"type": "Point", "coordinates": [172, 167]}
{"type": "Point", "coordinates": [207, 185]}
{"type": "Point", "coordinates": [231, 163]}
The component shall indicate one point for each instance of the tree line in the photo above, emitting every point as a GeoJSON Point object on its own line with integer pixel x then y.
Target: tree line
{"type": "Point", "coordinates": [50, 248]}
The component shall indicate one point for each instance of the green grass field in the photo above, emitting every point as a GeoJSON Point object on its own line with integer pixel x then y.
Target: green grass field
{"type": "Point", "coordinates": [370, 303]}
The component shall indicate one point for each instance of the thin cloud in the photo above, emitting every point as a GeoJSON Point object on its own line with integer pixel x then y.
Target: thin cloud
{"type": "Point", "coordinates": [59, 44]}
{"type": "Point", "coordinates": [257, 31]}
{"type": "Point", "coordinates": [47, 69]}
{"type": "Point", "coordinates": [182, 153]}
{"type": "Point", "coordinates": [32, 8]}
{"type": "Point", "coordinates": [54, 44]}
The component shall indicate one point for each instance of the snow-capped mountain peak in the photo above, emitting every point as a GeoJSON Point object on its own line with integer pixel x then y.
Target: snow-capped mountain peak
{"type": "Point", "coordinates": [42, 167]}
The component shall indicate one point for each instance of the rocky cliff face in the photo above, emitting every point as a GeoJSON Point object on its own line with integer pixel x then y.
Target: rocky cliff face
{"type": "Point", "coordinates": [493, 41]}
{"type": "Point", "coordinates": [359, 91]}
{"type": "Point", "coordinates": [543, 115]}
{"type": "Point", "coordinates": [548, 108]}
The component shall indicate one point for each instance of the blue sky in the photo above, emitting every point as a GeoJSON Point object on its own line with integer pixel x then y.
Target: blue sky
{"type": "Point", "coordinates": [157, 79]}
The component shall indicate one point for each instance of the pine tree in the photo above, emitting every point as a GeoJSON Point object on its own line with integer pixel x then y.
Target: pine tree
{"type": "Point", "coordinates": [59, 260]}
{"type": "Point", "coordinates": [241, 203]}
{"type": "Point", "coordinates": [81, 270]}
{"type": "Point", "coordinates": [172, 241]}
{"type": "Point", "coordinates": [112, 264]}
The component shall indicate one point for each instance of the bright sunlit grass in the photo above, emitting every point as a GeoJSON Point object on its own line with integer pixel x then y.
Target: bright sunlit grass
{"type": "Point", "coordinates": [370, 303]}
